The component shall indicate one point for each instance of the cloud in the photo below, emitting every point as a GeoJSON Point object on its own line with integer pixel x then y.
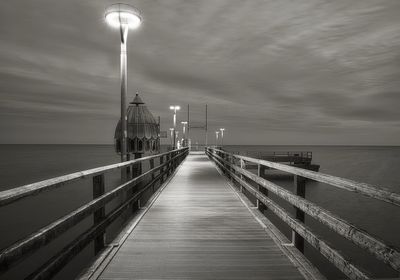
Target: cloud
{"type": "Point", "coordinates": [318, 70]}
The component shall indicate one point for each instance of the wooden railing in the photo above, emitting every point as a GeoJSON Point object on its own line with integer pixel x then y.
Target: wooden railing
{"type": "Point", "coordinates": [167, 163]}
{"type": "Point", "coordinates": [234, 167]}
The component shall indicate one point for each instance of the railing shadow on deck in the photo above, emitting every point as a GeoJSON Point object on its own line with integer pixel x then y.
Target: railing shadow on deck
{"type": "Point", "coordinates": [20, 250]}
{"type": "Point", "coordinates": [233, 166]}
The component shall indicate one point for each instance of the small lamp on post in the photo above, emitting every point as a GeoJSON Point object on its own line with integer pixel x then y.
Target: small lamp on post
{"type": "Point", "coordinates": [216, 137]}
{"type": "Point", "coordinates": [174, 108]}
{"type": "Point", "coordinates": [123, 17]}
{"type": "Point", "coordinates": [222, 136]}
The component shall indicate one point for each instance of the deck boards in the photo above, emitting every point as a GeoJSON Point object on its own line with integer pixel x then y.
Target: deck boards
{"type": "Point", "coordinates": [199, 229]}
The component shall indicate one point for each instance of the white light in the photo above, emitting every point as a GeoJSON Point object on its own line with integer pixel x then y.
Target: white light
{"type": "Point", "coordinates": [178, 107]}
{"type": "Point", "coordinates": [171, 107]}
{"type": "Point", "coordinates": [122, 14]}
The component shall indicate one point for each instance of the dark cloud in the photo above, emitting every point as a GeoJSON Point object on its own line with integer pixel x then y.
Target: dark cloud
{"type": "Point", "coordinates": [311, 72]}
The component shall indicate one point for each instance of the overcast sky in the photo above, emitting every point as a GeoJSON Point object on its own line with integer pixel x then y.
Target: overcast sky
{"type": "Point", "coordinates": [272, 72]}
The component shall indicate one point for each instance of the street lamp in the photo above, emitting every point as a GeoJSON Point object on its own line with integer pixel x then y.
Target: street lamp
{"type": "Point", "coordinates": [174, 108]}
{"type": "Point", "coordinates": [222, 136]}
{"type": "Point", "coordinates": [216, 138]}
{"type": "Point", "coordinates": [176, 140]}
{"type": "Point", "coordinates": [184, 131]}
{"type": "Point", "coordinates": [172, 137]}
{"type": "Point", "coordinates": [124, 17]}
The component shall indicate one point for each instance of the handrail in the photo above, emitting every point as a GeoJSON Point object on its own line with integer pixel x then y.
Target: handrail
{"type": "Point", "coordinates": [342, 183]}
{"type": "Point", "coordinates": [11, 195]}
{"type": "Point", "coordinates": [21, 249]}
{"type": "Point", "coordinates": [51, 267]}
{"type": "Point", "coordinates": [373, 245]}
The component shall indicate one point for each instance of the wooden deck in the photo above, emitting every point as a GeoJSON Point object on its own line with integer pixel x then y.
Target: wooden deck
{"type": "Point", "coordinates": [198, 228]}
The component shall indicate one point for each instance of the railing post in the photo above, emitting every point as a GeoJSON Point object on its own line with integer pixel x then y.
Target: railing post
{"type": "Point", "coordinates": [173, 161]}
{"type": "Point", "coordinates": [99, 215]}
{"type": "Point", "coordinates": [152, 173]}
{"type": "Point", "coordinates": [168, 164]}
{"type": "Point", "coordinates": [261, 173]}
{"type": "Point", "coordinates": [242, 165]}
{"type": "Point", "coordinates": [300, 190]}
{"type": "Point", "coordinates": [162, 169]}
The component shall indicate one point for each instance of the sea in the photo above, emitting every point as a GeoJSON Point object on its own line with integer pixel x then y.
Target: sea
{"type": "Point", "coordinates": [24, 164]}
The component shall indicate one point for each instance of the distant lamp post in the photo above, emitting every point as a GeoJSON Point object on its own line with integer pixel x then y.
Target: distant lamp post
{"type": "Point", "coordinates": [174, 108]}
{"type": "Point", "coordinates": [184, 139]}
{"type": "Point", "coordinates": [222, 136]}
{"type": "Point", "coordinates": [123, 17]}
{"type": "Point", "coordinates": [216, 138]}
{"type": "Point", "coordinates": [172, 136]}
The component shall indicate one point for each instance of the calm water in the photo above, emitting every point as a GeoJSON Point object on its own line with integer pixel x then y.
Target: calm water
{"type": "Point", "coordinates": [22, 164]}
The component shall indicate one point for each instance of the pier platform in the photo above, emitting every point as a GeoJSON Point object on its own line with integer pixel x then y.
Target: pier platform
{"type": "Point", "coordinates": [198, 228]}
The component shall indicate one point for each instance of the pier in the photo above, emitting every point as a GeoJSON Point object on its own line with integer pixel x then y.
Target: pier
{"type": "Point", "coordinates": [199, 215]}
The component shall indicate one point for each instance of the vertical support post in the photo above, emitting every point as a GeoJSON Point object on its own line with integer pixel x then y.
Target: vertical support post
{"type": "Point", "coordinates": [206, 125]}
{"type": "Point", "coordinates": [136, 171]}
{"type": "Point", "coordinates": [168, 164]}
{"type": "Point", "coordinates": [129, 168]}
{"type": "Point", "coordinates": [188, 128]}
{"type": "Point", "coordinates": [162, 169]}
{"type": "Point", "coordinates": [261, 173]}
{"type": "Point", "coordinates": [99, 215]}
{"type": "Point", "coordinates": [151, 167]}
{"type": "Point", "coordinates": [258, 187]}
{"type": "Point", "coordinates": [152, 173]}
{"type": "Point", "coordinates": [242, 165]}
{"type": "Point", "coordinates": [300, 190]}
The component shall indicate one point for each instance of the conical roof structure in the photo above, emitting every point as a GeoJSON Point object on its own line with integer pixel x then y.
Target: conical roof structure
{"type": "Point", "coordinates": [143, 129]}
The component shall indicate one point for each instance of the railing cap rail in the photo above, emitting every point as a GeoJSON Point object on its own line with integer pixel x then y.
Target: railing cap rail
{"type": "Point", "coordinates": [11, 195]}
{"type": "Point", "coordinates": [369, 190]}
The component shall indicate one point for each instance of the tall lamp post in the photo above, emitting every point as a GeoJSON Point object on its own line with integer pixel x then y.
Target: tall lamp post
{"type": "Point", "coordinates": [216, 138]}
{"type": "Point", "coordinates": [174, 108]}
{"type": "Point", "coordinates": [123, 17]}
{"type": "Point", "coordinates": [222, 136]}
{"type": "Point", "coordinates": [184, 132]}
{"type": "Point", "coordinates": [172, 137]}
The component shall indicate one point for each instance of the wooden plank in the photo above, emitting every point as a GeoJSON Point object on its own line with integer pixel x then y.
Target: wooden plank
{"type": "Point", "coordinates": [369, 190]}
{"type": "Point", "coordinates": [199, 229]}
{"type": "Point", "coordinates": [388, 254]}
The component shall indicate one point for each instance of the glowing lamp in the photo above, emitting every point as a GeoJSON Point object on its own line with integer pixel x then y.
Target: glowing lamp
{"type": "Point", "coordinates": [118, 15]}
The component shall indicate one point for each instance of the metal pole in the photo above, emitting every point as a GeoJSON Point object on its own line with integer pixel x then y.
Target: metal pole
{"type": "Point", "coordinates": [124, 87]}
{"type": "Point", "coordinates": [188, 127]}
{"type": "Point", "coordinates": [174, 146]}
{"type": "Point", "coordinates": [206, 125]}
{"type": "Point", "coordinates": [222, 138]}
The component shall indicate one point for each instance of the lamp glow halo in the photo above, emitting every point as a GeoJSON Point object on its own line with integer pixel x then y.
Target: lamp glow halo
{"type": "Point", "coordinates": [123, 14]}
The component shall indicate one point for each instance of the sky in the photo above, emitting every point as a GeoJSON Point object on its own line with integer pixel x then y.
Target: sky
{"type": "Point", "coordinates": [272, 72]}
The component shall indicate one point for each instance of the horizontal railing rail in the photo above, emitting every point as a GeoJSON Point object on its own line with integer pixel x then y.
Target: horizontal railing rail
{"type": "Point", "coordinates": [9, 196]}
{"type": "Point", "coordinates": [234, 167]}
{"type": "Point", "coordinates": [21, 249]}
{"type": "Point", "coordinates": [346, 184]}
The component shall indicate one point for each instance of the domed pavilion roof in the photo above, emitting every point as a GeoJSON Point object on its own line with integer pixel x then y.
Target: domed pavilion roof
{"type": "Point", "coordinates": [141, 122]}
